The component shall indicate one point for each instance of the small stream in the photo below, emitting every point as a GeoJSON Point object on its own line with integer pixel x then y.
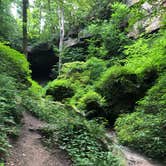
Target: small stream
{"type": "Point", "coordinates": [132, 158]}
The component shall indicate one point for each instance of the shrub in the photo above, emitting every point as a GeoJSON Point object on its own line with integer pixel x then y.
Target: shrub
{"type": "Point", "coordinates": [10, 112]}
{"type": "Point", "coordinates": [84, 72]}
{"type": "Point", "coordinates": [108, 39]}
{"type": "Point", "coordinates": [124, 85]}
{"type": "Point", "coordinates": [111, 41]}
{"type": "Point", "coordinates": [121, 89]}
{"type": "Point", "coordinates": [145, 129]}
{"type": "Point", "coordinates": [72, 69]}
{"type": "Point", "coordinates": [60, 89]}
{"type": "Point", "coordinates": [120, 13]}
{"type": "Point", "coordinates": [14, 78]}
{"type": "Point", "coordinates": [155, 100]}
{"type": "Point", "coordinates": [14, 64]}
{"type": "Point", "coordinates": [141, 55]}
{"type": "Point", "coordinates": [92, 104]}
{"type": "Point", "coordinates": [96, 67]}
{"type": "Point", "coordinates": [74, 54]}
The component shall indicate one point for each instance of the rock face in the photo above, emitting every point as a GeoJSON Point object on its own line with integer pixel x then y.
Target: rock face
{"type": "Point", "coordinates": [147, 25]}
{"type": "Point", "coordinates": [41, 58]}
{"type": "Point", "coordinates": [70, 42]}
{"type": "Point", "coordinates": [80, 41]}
{"type": "Point", "coordinates": [131, 2]}
{"type": "Point", "coordinates": [147, 7]}
{"type": "Point", "coordinates": [154, 24]}
{"type": "Point", "coordinates": [152, 20]}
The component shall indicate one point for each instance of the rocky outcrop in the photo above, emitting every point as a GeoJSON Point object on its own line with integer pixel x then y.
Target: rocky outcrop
{"type": "Point", "coordinates": [152, 20]}
{"type": "Point", "coordinates": [153, 24]}
{"type": "Point", "coordinates": [81, 40]}
{"type": "Point", "coordinates": [131, 2]}
{"type": "Point", "coordinates": [147, 25]}
{"type": "Point", "coordinates": [70, 42]}
{"type": "Point", "coordinates": [147, 7]}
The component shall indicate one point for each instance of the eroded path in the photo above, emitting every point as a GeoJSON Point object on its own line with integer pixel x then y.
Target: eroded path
{"type": "Point", "coordinates": [29, 151]}
{"type": "Point", "coordinates": [132, 158]}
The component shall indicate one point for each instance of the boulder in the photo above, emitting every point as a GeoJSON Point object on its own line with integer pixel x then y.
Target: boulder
{"type": "Point", "coordinates": [131, 2]}
{"type": "Point", "coordinates": [147, 25]}
{"type": "Point", "coordinates": [70, 42]}
{"type": "Point", "coordinates": [154, 24]}
{"type": "Point", "coordinates": [147, 7]}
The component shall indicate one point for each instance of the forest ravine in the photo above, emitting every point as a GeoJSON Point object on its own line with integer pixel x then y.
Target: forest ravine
{"type": "Point", "coordinates": [72, 69]}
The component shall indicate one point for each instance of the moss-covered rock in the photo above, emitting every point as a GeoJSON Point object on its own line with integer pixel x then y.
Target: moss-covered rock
{"type": "Point", "coordinates": [14, 64]}
{"type": "Point", "coordinates": [93, 105]}
{"type": "Point", "coordinates": [60, 89]}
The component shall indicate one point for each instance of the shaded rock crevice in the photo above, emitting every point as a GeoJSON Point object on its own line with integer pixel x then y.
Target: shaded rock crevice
{"type": "Point", "coordinates": [42, 58]}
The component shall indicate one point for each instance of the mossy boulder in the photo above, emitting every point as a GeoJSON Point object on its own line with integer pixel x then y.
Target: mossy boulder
{"type": "Point", "coordinates": [60, 89]}
{"type": "Point", "coordinates": [14, 64]}
{"type": "Point", "coordinates": [93, 104]}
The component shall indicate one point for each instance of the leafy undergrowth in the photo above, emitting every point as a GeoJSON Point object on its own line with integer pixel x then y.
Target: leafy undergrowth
{"type": "Point", "coordinates": [14, 76]}
{"type": "Point", "coordinates": [145, 129]}
{"type": "Point", "coordinates": [83, 140]}
{"type": "Point", "coordinates": [104, 92]}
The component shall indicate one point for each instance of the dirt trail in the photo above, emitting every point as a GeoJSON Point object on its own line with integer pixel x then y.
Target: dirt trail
{"type": "Point", "coordinates": [29, 151]}
{"type": "Point", "coordinates": [132, 158]}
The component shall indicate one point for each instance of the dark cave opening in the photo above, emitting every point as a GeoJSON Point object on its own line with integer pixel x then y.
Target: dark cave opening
{"type": "Point", "coordinates": [42, 59]}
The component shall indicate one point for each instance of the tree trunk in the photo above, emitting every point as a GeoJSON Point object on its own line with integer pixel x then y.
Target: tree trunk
{"type": "Point", "coordinates": [62, 34]}
{"type": "Point", "coordinates": [25, 35]}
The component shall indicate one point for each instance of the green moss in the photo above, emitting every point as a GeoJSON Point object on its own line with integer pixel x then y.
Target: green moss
{"type": "Point", "coordinates": [60, 89]}
{"type": "Point", "coordinates": [14, 64]}
{"type": "Point", "coordinates": [92, 104]}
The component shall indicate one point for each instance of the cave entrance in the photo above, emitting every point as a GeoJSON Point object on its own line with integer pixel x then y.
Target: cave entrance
{"type": "Point", "coordinates": [42, 58]}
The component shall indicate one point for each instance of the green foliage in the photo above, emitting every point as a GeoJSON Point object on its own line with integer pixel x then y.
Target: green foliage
{"type": "Point", "coordinates": [108, 39]}
{"type": "Point", "coordinates": [14, 64]}
{"type": "Point", "coordinates": [60, 89]}
{"type": "Point", "coordinates": [82, 75]}
{"type": "Point", "coordinates": [142, 54]}
{"type": "Point", "coordinates": [135, 15]}
{"type": "Point", "coordinates": [96, 67]}
{"type": "Point", "coordinates": [95, 48]}
{"type": "Point", "coordinates": [14, 78]}
{"type": "Point", "coordinates": [1, 164]}
{"type": "Point", "coordinates": [82, 139]}
{"type": "Point", "coordinates": [155, 100]}
{"type": "Point", "coordinates": [120, 13]}
{"type": "Point", "coordinates": [145, 129]}
{"type": "Point", "coordinates": [84, 72]}
{"type": "Point", "coordinates": [10, 111]}
{"type": "Point", "coordinates": [110, 44]}
{"type": "Point", "coordinates": [85, 88]}
{"type": "Point", "coordinates": [121, 89]}
{"type": "Point", "coordinates": [123, 86]}
{"type": "Point", "coordinates": [73, 71]}
{"type": "Point", "coordinates": [74, 54]}
{"type": "Point", "coordinates": [92, 104]}
{"type": "Point", "coordinates": [9, 28]}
